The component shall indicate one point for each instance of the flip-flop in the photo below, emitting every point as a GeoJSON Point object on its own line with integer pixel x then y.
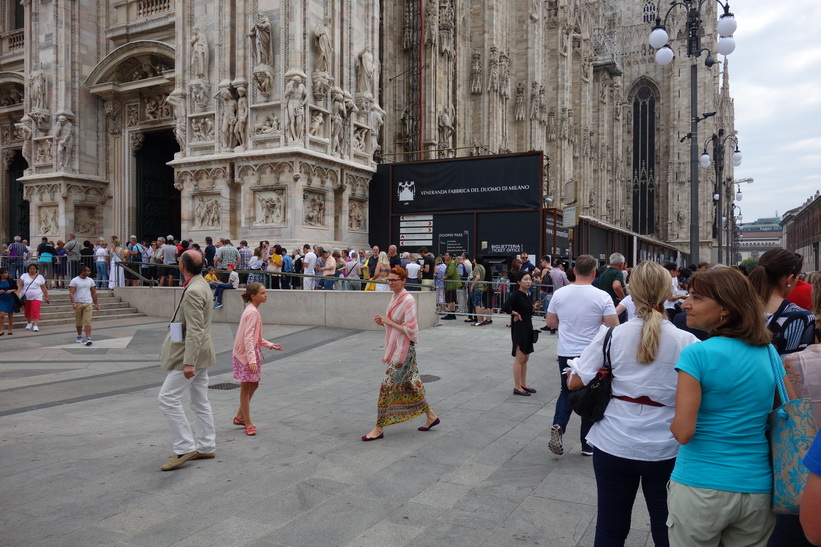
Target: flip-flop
{"type": "Point", "coordinates": [250, 430]}
{"type": "Point", "coordinates": [238, 422]}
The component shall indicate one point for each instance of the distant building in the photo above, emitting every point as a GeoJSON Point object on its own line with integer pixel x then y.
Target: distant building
{"type": "Point", "coordinates": [802, 231]}
{"type": "Point", "coordinates": [755, 238]}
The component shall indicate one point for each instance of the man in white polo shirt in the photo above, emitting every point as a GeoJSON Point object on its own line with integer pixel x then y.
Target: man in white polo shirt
{"type": "Point", "coordinates": [83, 295]}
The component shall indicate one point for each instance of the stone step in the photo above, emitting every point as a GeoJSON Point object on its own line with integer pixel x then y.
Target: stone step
{"type": "Point", "coordinates": [68, 307]}
{"type": "Point", "coordinates": [69, 314]}
{"type": "Point", "coordinates": [18, 326]}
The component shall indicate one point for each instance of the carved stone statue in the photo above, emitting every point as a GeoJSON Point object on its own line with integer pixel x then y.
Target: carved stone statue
{"type": "Point", "coordinates": [295, 97]}
{"type": "Point", "coordinates": [23, 131]}
{"type": "Point", "coordinates": [136, 140]}
{"type": "Point", "coordinates": [261, 41]}
{"type": "Point", "coordinates": [272, 207]}
{"type": "Point", "coordinates": [476, 72]}
{"type": "Point", "coordinates": [113, 110]}
{"type": "Point", "coordinates": [322, 83]}
{"type": "Point", "coordinates": [356, 216]}
{"type": "Point", "coordinates": [264, 80]}
{"type": "Point", "coordinates": [360, 139]}
{"type": "Point", "coordinates": [199, 94]}
{"type": "Point", "coordinates": [431, 10]}
{"type": "Point", "coordinates": [37, 81]}
{"type": "Point", "coordinates": [64, 141]}
{"type": "Point", "coordinates": [325, 50]}
{"type": "Point", "coordinates": [534, 101]}
{"type": "Point", "coordinates": [493, 70]}
{"type": "Point", "coordinates": [446, 24]}
{"type": "Point", "coordinates": [315, 210]}
{"type": "Point", "coordinates": [350, 108]}
{"type": "Point", "coordinates": [207, 212]}
{"type": "Point", "coordinates": [317, 121]}
{"type": "Point", "coordinates": [520, 102]}
{"type": "Point", "coordinates": [267, 125]}
{"type": "Point", "coordinates": [504, 68]}
{"type": "Point", "coordinates": [199, 54]}
{"type": "Point", "coordinates": [542, 104]}
{"type": "Point", "coordinates": [242, 111]}
{"type": "Point", "coordinates": [337, 119]}
{"type": "Point", "coordinates": [364, 80]}
{"type": "Point", "coordinates": [177, 101]}
{"type": "Point", "coordinates": [377, 118]}
{"type": "Point", "coordinates": [446, 129]}
{"type": "Point", "coordinates": [228, 120]}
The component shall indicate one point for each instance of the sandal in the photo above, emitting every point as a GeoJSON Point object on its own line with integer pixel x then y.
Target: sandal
{"type": "Point", "coordinates": [238, 422]}
{"type": "Point", "coordinates": [250, 430]}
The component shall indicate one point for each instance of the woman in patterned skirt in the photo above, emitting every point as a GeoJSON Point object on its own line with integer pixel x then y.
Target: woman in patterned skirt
{"type": "Point", "coordinates": [247, 355]}
{"type": "Point", "coordinates": [402, 395]}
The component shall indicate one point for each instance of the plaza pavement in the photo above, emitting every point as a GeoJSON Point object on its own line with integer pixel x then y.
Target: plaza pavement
{"type": "Point", "coordinates": [82, 441]}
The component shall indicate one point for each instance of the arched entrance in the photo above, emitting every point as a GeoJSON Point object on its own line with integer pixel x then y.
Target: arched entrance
{"type": "Point", "coordinates": [18, 207]}
{"type": "Point", "coordinates": [158, 201]}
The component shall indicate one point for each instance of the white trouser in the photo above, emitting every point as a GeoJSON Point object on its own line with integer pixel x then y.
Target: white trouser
{"type": "Point", "coordinates": [308, 283]}
{"type": "Point", "coordinates": [170, 397]}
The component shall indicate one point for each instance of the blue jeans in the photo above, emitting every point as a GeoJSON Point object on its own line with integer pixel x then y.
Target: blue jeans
{"type": "Point", "coordinates": [17, 268]}
{"type": "Point", "coordinates": [617, 481]}
{"type": "Point", "coordinates": [564, 410]}
{"type": "Point", "coordinates": [102, 275]}
{"type": "Point", "coordinates": [219, 288]}
{"type": "Point", "coordinates": [329, 284]}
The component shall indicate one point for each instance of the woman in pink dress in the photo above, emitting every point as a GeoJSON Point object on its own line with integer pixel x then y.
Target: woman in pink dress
{"type": "Point", "coordinates": [247, 357]}
{"type": "Point", "coordinates": [402, 395]}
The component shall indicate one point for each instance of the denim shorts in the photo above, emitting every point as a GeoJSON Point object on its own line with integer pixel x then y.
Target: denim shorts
{"type": "Point", "coordinates": [476, 298]}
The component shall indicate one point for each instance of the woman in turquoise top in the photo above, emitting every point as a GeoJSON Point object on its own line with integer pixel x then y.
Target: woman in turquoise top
{"type": "Point", "coordinates": [721, 487]}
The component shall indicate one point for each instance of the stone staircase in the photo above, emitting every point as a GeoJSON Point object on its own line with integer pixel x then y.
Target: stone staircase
{"type": "Point", "coordinates": [60, 311]}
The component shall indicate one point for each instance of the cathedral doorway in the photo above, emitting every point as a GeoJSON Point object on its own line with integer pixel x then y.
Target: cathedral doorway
{"type": "Point", "coordinates": [158, 202]}
{"type": "Point", "coordinates": [18, 206]}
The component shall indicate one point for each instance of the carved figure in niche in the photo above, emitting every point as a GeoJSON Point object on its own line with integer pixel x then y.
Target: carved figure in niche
{"type": "Point", "coordinates": [551, 126]}
{"type": "Point", "coordinates": [11, 98]}
{"type": "Point", "coordinates": [113, 109]}
{"type": "Point", "coordinates": [177, 101]}
{"type": "Point", "coordinates": [152, 107]}
{"type": "Point", "coordinates": [591, 199]}
{"type": "Point", "coordinates": [446, 129]}
{"type": "Point", "coordinates": [564, 131]}
{"type": "Point", "coordinates": [377, 118]}
{"type": "Point", "coordinates": [534, 101]}
{"type": "Point", "coordinates": [37, 81]}
{"type": "Point", "coordinates": [273, 208]}
{"type": "Point", "coordinates": [207, 212]}
{"type": "Point", "coordinates": [199, 94]}
{"type": "Point", "coordinates": [407, 123]}
{"type": "Point", "coordinates": [542, 104]}
{"type": "Point", "coordinates": [364, 81]}
{"type": "Point", "coordinates": [202, 129]}
{"type": "Point", "coordinates": [325, 50]}
{"type": "Point", "coordinates": [504, 65]}
{"type": "Point", "coordinates": [23, 132]}
{"type": "Point", "coordinates": [431, 9]}
{"type": "Point", "coordinates": [360, 138]}
{"type": "Point", "coordinates": [264, 80]}
{"type": "Point", "coordinates": [242, 112]}
{"type": "Point", "coordinates": [132, 114]}
{"type": "Point", "coordinates": [267, 126]}
{"type": "Point", "coordinates": [534, 10]}
{"type": "Point", "coordinates": [64, 141]}
{"type": "Point", "coordinates": [136, 140]}
{"type": "Point", "coordinates": [317, 121]}
{"type": "Point", "coordinates": [322, 83]}
{"type": "Point", "coordinates": [476, 73]}
{"type": "Point", "coordinates": [8, 158]}
{"type": "Point", "coordinates": [493, 70]}
{"type": "Point", "coordinates": [44, 152]}
{"type": "Point", "coordinates": [199, 54]}
{"type": "Point", "coordinates": [261, 40]}
{"type": "Point", "coordinates": [337, 119]}
{"type": "Point", "coordinates": [350, 108]}
{"type": "Point", "coordinates": [315, 212]}
{"type": "Point", "coordinates": [85, 220]}
{"type": "Point", "coordinates": [446, 46]}
{"type": "Point", "coordinates": [48, 220]}
{"type": "Point", "coordinates": [295, 98]}
{"type": "Point", "coordinates": [356, 217]}
{"type": "Point", "coordinates": [229, 115]}
{"type": "Point", "coordinates": [520, 102]}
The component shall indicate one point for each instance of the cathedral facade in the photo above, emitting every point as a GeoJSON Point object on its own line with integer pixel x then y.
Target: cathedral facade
{"type": "Point", "coordinates": [263, 119]}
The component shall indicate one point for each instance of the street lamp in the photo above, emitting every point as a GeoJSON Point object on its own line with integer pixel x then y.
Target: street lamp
{"type": "Point", "coordinates": [719, 146]}
{"type": "Point", "coordinates": [735, 248]}
{"type": "Point", "coordinates": [659, 38]}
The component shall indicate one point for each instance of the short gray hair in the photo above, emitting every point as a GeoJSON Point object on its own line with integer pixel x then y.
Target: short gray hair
{"type": "Point", "coordinates": [616, 259]}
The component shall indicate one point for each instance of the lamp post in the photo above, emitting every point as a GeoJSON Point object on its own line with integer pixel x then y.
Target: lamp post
{"type": "Point", "coordinates": [659, 39]}
{"type": "Point", "coordinates": [719, 146]}
{"type": "Point", "coordinates": [736, 232]}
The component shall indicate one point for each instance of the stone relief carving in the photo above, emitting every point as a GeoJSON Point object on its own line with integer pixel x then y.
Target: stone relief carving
{"type": "Point", "coordinates": [42, 120]}
{"type": "Point", "coordinates": [271, 207]}
{"type": "Point", "coordinates": [322, 84]}
{"type": "Point", "coordinates": [261, 41]}
{"type": "Point", "coordinates": [447, 117]}
{"type": "Point", "coordinates": [324, 49]}
{"type": "Point", "coordinates": [48, 221]}
{"type": "Point", "coordinates": [520, 102]}
{"type": "Point", "coordinates": [493, 70]}
{"type": "Point", "coordinates": [476, 73]}
{"type": "Point", "coordinates": [504, 69]}
{"type": "Point", "coordinates": [200, 90]}
{"type": "Point", "coordinates": [64, 141]}
{"type": "Point", "coordinates": [356, 215]}
{"type": "Point", "coordinates": [37, 89]}
{"type": "Point", "coordinates": [132, 115]}
{"type": "Point", "coordinates": [11, 96]}
{"type": "Point", "coordinates": [446, 30]}
{"type": "Point", "coordinates": [264, 80]}
{"type": "Point", "coordinates": [113, 114]}
{"type": "Point", "coordinates": [199, 54]}
{"type": "Point", "coordinates": [85, 220]}
{"type": "Point", "coordinates": [147, 68]}
{"type": "Point", "coordinates": [157, 108]}
{"type": "Point", "coordinates": [408, 33]}
{"type": "Point", "coordinates": [241, 85]}
{"type": "Point", "coordinates": [431, 12]}
{"type": "Point", "coordinates": [207, 212]}
{"type": "Point", "coordinates": [364, 80]}
{"type": "Point", "coordinates": [360, 139]}
{"type": "Point", "coordinates": [295, 97]}
{"type": "Point", "coordinates": [314, 207]}
{"type": "Point", "coordinates": [24, 132]}
{"type": "Point", "coordinates": [551, 126]}
{"type": "Point", "coordinates": [267, 125]}
{"type": "Point", "coordinates": [317, 121]}
{"type": "Point", "coordinates": [202, 129]}
{"type": "Point", "coordinates": [44, 153]}
{"type": "Point", "coordinates": [177, 101]}
{"type": "Point", "coordinates": [228, 119]}
{"type": "Point", "coordinates": [136, 140]}
{"type": "Point", "coordinates": [8, 158]}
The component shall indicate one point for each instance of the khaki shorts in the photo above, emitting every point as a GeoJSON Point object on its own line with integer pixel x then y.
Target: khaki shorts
{"type": "Point", "coordinates": [703, 517]}
{"type": "Point", "coordinates": [82, 315]}
{"type": "Point", "coordinates": [427, 284]}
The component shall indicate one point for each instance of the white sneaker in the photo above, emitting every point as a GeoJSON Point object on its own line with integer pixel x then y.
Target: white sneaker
{"type": "Point", "coordinates": [88, 341]}
{"type": "Point", "coordinates": [555, 442]}
{"type": "Point", "coordinates": [35, 328]}
{"type": "Point", "coordinates": [28, 326]}
{"type": "Point", "coordinates": [79, 340]}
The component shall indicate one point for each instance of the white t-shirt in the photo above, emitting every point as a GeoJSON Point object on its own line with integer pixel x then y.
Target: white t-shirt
{"type": "Point", "coordinates": [413, 270]}
{"type": "Point", "coordinates": [82, 289]}
{"type": "Point", "coordinates": [581, 310]}
{"type": "Point", "coordinates": [101, 254]}
{"type": "Point", "coordinates": [309, 263]}
{"type": "Point", "coordinates": [668, 304]}
{"type": "Point", "coordinates": [632, 430]}
{"type": "Point", "coordinates": [31, 288]}
{"type": "Point", "coordinates": [629, 306]}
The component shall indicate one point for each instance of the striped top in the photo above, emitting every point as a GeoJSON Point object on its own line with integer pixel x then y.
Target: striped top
{"type": "Point", "coordinates": [402, 310]}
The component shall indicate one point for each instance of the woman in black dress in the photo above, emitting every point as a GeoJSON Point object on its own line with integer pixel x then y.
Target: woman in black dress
{"type": "Point", "coordinates": [521, 309]}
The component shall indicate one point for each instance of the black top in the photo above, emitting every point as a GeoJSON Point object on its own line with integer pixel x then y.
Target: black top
{"type": "Point", "coordinates": [431, 264]}
{"type": "Point", "coordinates": [396, 260]}
{"type": "Point", "coordinates": [521, 332]}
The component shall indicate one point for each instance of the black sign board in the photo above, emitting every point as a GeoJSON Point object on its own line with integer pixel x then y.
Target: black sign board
{"type": "Point", "coordinates": [508, 234]}
{"type": "Point", "coordinates": [448, 233]}
{"type": "Point", "coordinates": [507, 182]}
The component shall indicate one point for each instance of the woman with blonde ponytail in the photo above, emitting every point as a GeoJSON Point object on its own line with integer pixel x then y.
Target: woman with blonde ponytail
{"type": "Point", "coordinates": [633, 444]}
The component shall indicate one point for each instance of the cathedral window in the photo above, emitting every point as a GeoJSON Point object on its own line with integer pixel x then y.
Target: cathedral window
{"type": "Point", "coordinates": [643, 173]}
{"type": "Point", "coordinates": [19, 15]}
{"type": "Point", "coordinates": [649, 11]}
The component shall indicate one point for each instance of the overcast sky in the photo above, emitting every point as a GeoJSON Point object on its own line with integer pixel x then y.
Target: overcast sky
{"type": "Point", "coordinates": [775, 79]}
